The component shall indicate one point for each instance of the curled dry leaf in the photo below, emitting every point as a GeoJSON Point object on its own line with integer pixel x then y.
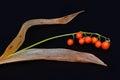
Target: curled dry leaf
{"type": "Point", "coordinates": [53, 54]}
{"type": "Point", "coordinates": [19, 39]}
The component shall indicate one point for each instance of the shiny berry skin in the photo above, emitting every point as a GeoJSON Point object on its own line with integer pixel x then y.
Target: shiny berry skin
{"type": "Point", "coordinates": [94, 40]}
{"type": "Point", "coordinates": [70, 42]}
{"type": "Point", "coordinates": [81, 41]}
{"type": "Point", "coordinates": [105, 45]}
{"type": "Point", "coordinates": [79, 35]}
{"type": "Point", "coordinates": [98, 44]}
{"type": "Point", "coordinates": [88, 39]}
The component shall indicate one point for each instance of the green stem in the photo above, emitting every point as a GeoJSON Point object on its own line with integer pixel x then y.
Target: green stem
{"type": "Point", "coordinates": [51, 38]}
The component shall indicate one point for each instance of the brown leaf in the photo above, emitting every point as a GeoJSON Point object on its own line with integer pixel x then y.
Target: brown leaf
{"type": "Point", "coordinates": [53, 54]}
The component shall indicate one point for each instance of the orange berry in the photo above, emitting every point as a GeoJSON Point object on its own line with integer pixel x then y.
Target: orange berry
{"type": "Point", "coordinates": [70, 42]}
{"type": "Point", "coordinates": [79, 35]}
{"type": "Point", "coordinates": [88, 39]}
{"type": "Point", "coordinates": [98, 44]}
{"type": "Point", "coordinates": [105, 45]}
{"type": "Point", "coordinates": [94, 40]}
{"type": "Point", "coordinates": [81, 41]}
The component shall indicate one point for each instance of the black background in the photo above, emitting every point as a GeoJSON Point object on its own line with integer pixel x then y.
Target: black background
{"type": "Point", "coordinates": [98, 17]}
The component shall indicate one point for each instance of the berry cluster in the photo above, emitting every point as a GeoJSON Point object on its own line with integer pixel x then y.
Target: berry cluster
{"type": "Point", "coordinates": [89, 37]}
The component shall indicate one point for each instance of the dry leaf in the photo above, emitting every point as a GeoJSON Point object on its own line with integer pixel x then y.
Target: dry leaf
{"type": "Point", "coordinates": [53, 54]}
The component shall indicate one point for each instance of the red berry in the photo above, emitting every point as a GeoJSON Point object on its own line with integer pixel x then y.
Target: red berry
{"type": "Point", "coordinates": [88, 39]}
{"type": "Point", "coordinates": [79, 35]}
{"type": "Point", "coordinates": [81, 41]}
{"type": "Point", "coordinates": [94, 40]}
{"type": "Point", "coordinates": [98, 44]}
{"type": "Point", "coordinates": [70, 42]}
{"type": "Point", "coordinates": [105, 45]}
